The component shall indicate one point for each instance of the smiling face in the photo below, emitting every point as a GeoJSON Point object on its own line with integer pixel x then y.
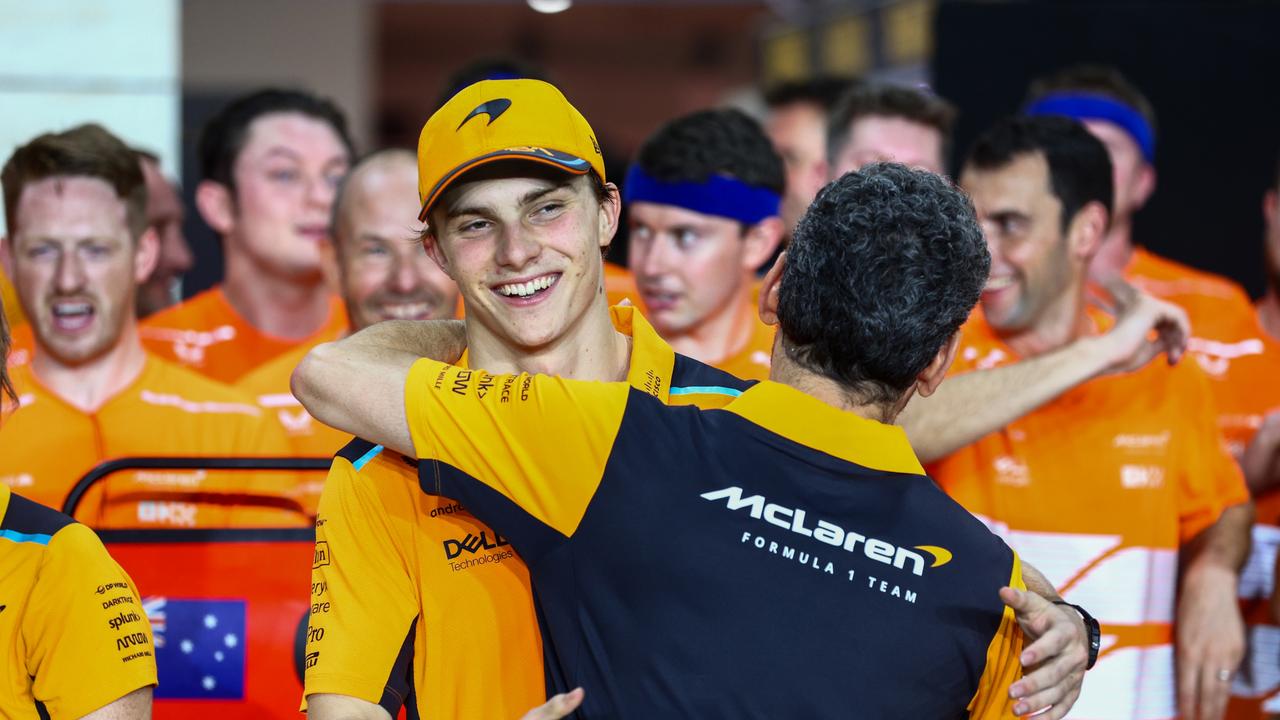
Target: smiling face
{"type": "Point", "coordinates": [1032, 269]}
{"type": "Point", "coordinates": [285, 178]}
{"type": "Point", "coordinates": [523, 242]}
{"type": "Point", "coordinates": [76, 268]}
{"type": "Point", "coordinates": [385, 274]}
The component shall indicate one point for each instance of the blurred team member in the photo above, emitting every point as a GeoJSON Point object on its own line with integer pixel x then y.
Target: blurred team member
{"type": "Point", "coordinates": [703, 197]}
{"type": "Point", "coordinates": [79, 244]}
{"type": "Point", "coordinates": [1223, 322]}
{"type": "Point", "coordinates": [1121, 480]}
{"type": "Point", "coordinates": [60, 631]}
{"type": "Point", "coordinates": [875, 122]}
{"type": "Point", "coordinates": [382, 273]}
{"type": "Point", "coordinates": [165, 215]}
{"type": "Point", "coordinates": [271, 162]}
{"type": "Point", "coordinates": [1257, 687]}
{"type": "Point", "coordinates": [797, 127]}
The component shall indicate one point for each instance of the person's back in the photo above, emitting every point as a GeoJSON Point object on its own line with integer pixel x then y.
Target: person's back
{"type": "Point", "coordinates": [760, 565]}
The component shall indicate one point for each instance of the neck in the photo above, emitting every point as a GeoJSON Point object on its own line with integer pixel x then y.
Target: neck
{"type": "Point", "coordinates": [1058, 325]}
{"type": "Point", "coordinates": [721, 335]}
{"type": "Point", "coordinates": [88, 386]}
{"type": "Point", "coordinates": [1115, 252]}
{"type": "Point", "coordinates": [1269, 313]}
{"type": "Point", "coordinates": [285, 308]}
{"type": "Point", "coordinates": [591, 349]}
{"type": "Point", "coordinates": [784, 370]}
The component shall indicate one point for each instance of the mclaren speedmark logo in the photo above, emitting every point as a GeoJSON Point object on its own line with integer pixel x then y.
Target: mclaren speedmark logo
{"type": "Point", "coordinates": [793, 519]}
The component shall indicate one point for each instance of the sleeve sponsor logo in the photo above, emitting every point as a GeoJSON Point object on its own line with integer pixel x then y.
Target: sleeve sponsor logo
{"type": "Point", "coordinates": [321, 556]}
{"type": "Point", "coordinates": [103, 589]}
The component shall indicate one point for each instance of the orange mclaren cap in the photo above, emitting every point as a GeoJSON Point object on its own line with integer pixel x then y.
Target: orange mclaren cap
{"type": "Point", "coordinates": [502, 120]}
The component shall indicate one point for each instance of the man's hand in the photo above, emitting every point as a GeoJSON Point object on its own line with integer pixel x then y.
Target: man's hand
{"type": "Point", "coordinates": [1210, 641]}
{"type": "Point", "coordinates": [1056, 656]}
{"type": "Point", "coordinates": [1145, 327]}
{"type": "Point", "coordinates": [1261, 459]}
{"type": "Point", "coordinates": [557, 707]}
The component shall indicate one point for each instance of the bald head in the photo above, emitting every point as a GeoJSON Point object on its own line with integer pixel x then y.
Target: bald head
{"type": "Point", "coordinates": [384, 273]}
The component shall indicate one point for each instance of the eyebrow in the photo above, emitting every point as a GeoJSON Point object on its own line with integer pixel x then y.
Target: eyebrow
{"type": "Point", "coordinates": [529, 197]}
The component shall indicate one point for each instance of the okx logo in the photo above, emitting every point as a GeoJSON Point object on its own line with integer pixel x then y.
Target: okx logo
{"type": "Point", "coordinates": [473, 544]}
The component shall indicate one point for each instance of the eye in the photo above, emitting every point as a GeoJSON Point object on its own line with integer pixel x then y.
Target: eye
{"type": "Point", "coordinates": [474, 226]}
{"type": "Point", "coordinates": [550, 209]}
{"type": "Point", "coordinates": [42, 252]}
{"type": "Point", "coordinates": [374, 251]}
{"type": "Point", "coordinates": [96, 251]}
{"type": "Point", "coordinates": [685, 238]}
{"type": "Point", "coordinates": [284, 175]}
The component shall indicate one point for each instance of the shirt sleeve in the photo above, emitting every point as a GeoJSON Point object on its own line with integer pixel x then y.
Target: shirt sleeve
{"type": "Point", "coordinates": [83, 650]}
{"type": "Point", "coordinates": [525, 453]}
{"type": "Point", "coordinates": [992, 701]}
{"type": "Point", "coordinates": [363, 594]}
{"type": "Point", "coordinates": [1211, 479]}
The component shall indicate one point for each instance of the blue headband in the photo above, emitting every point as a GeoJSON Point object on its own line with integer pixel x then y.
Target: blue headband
{"type": "Point", "coordinates": [1082, 106]}
{"type": "Point", "coordinates": [719, 195]}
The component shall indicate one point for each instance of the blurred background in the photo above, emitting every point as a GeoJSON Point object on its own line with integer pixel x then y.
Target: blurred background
{"type": "Point", "coordinates": [154, 71]}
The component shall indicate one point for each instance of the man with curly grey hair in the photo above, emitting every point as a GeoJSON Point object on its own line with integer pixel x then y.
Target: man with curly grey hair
{"type": "Point", "coordinates": [795, 522]}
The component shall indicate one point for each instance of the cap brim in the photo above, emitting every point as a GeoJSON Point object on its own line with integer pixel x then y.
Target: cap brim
{"type": "Point", "coordinates": [563, 161]}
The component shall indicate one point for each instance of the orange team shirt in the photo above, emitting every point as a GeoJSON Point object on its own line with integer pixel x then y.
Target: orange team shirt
{"type": "Point", "coordinates": [416, 593]}
{"type": "Point", "coordinates": [1256, 688]}
{"type": "Point", "coordinates": [619, 284]}
{"type": "Point", "coordinates": [207, 335]}
{"type": "Point", "coordinates": [9, 296]}
{"type": "Point", "coordinates": [167, 411]}
{"type": "Point", "coordinates": [751, 361]}
{"type": "Point", "coordinates": [1099, 489]}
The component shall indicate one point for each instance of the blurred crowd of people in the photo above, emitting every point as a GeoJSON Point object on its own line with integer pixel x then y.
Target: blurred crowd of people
{"type": "Point", "coordinates": [1114, 414]}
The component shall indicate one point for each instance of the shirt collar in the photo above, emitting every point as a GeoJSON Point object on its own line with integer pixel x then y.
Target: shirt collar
{"type": "Point", "coordinates": [802, 418]}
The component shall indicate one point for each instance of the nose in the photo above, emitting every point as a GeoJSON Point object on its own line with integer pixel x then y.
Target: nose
{"type": "Point", "coordinates": [516, 248]}
{"type": "Point", "coordinates": [651, 257]}
{"type": "Point", "coordinates": [320, 192]}
{"type": "Point", "coordinates": [70, 273]}
{"type": "Point", "coordinates": [404, 276]}
{"type": "Point", "coordinates": [179, 251]}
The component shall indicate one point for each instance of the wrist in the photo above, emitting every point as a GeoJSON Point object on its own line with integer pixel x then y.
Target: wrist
{"type": "Point", "coordinates": [1094, 355]}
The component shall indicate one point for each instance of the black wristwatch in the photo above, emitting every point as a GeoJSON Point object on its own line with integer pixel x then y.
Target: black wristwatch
{"type": "Point", "coordinates": [1091, 626]}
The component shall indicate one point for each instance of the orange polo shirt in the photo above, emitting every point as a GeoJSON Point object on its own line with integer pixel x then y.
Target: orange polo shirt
{"type": "Point", "coordinates": [752, 360]}
{"type": "Point", "coordinates": [207, 335]}
{"type": "Point", "coordinates": [9, 296]}
{"type": "Point", "coordinates": [269, 385]}
{"type": "Point", "coordinates": [1099, 489]}
{"type": "Point", "coordinates": [619, 285]}
{"type": "Point", "coordinates": [412, 592]}
{"type": "Point", "coordinates": [166, 411]}
{"type": "Point", "coordinates": [1256, 689]}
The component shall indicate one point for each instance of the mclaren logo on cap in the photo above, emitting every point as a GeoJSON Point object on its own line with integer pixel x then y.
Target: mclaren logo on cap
{"type": "Point", "coordinates": [492, 108]}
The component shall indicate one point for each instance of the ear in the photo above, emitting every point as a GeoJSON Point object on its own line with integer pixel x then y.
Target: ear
{"type": "Point", "coordinates": [1087, 230]}
{"type": "Point", "coordinates": [769, 291]}
{"type": "Point", "coordinates": [761, 242]}
{"type": "Point", "coordinates": [216, 206]}
{"type": "Point", "coordinates": [932, 376]}
{"type": "Point", "coordinates": [432, 247]}
{"type": "Point", "coordinates": [6, 255]}
{"type": "Point", "coordinates": [146, 255]}
{"type": "Point", "coordinates": [1270, 203]}
{"type": "Point", "coordinates": [1144, 185]}
{"type": "Point", "coordinates": [610, 210]}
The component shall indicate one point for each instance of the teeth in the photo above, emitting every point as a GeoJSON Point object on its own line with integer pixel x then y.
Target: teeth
{"type": "Point", "coordinates": [999, 283]}
{"type": "Point", "coordinates": [528, 288]}
{"type": "Point", "coordinates": [71, 308]}
{"type": "Point", "coordinates": [405, 312]}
